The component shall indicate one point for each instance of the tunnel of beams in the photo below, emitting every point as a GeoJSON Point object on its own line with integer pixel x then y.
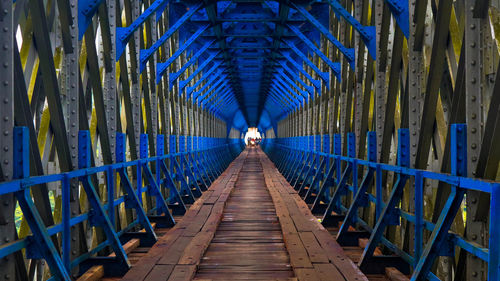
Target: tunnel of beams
{"type": "Point", "coordinates": [255, 59]}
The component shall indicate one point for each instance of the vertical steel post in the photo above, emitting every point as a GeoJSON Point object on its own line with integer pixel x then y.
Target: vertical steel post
{"type": "Point", "coordinates": [7, 225]}
{"type": "Point", "coordinates": [475, 229]}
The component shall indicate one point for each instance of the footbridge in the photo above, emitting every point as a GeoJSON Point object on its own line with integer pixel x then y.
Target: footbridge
{"type": "Point", "coordinates": [249, 140]}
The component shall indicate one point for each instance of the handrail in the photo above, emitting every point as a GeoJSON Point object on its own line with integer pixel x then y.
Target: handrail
{"type": "Point", "coordinates": [296, 156]}
{"type": "Point", "coordinates": [40, 245]}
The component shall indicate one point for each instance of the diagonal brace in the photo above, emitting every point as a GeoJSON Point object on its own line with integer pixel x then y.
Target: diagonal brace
{"type": "Point", "coordinates": [147, 53]}
{"type": "Point", "coordinates": [163, 66]}
{"type": "Point", "coordinates": [183, 83]}
{"type": "Point", "coordinates": [334, 66]}
{"type": "Point", "coordinates": [315, 82]}
{"type": "Point", "coordinates": [173, 76]}
{"type": "Point", "coordinates": [348, 52]}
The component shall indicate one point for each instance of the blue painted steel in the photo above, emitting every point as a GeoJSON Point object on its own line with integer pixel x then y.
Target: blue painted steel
{"type": "Point", "coordinates": [280, 99]}
{"type": "Point", "coordinates": [367, 33]}
{"type": "Point", "coordinates": [400, 11]}
{"type": "Point", "coordinates": [288, 152]}
{"type": "Point", "coordinates": [173, 76]}
{"type": "Point", "coordinates": [282, 92]}
{"type": "Point", "coordinates": [222, 95]}
{"type": "Point", "coordinates": [184, 83]}
{"type": "Point", "coordinates": [97, 216]}
{"type": "Point", "coordinates": [335, 67]}
{"type": "Point", "coordinates": [419, 216]}
{"type": "Point", "coordinates": [147, 53]}
{"type": "Point", "coordinates": [360, 196]}
{"type": "Point", "coordinates": [160, 10]}
{"type": "Point", "coordinates": [225, 97]}
{"type": "Point", "coordinates": [494, 240]}
{"type": "Point", "coordinates": [348, 52]}
{"type": "Point", "coordinates": [296, 77]}
{"type": "Point", "coordinates": [217, 75]}
{"type": "Point", "coordinates": [120, 147]}
{"type": "Point", "coordinates": [316, 83]}
{"type": "Point", "coordinates": [290, 82]}
{"type": "Point", "coordinates": [216, 87]}
{"type": "Point", "coordinates": [123, 34]}
{"type": "Point", "coordinates": [39, 244]}
{"type": "Point", "coordinates": [213, 87]}
{"type": "Point", "coordinates": [21, 167]}
{"type": "Point", "coordinates": [161, 67]}
{"type": "Point", "coordinates": [440, 238]}
{"type": "Point", "coordinates": [86, 10]}
{"type": "Point", "coordinates": [325, 76]}
{"type": "Point", "coordinates": [207, 74]}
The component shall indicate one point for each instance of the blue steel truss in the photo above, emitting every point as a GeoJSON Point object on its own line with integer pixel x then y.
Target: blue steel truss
{"type": "Point", "coordinates": [252, 63]}
{"type": "Point", "coordinates": [268, 29]}
{"type": "Point", "coordinates": [194, 168]}
{"type": "Point", "coordinates": [250, 42]}
{"type": "Point", "coordinates": [304, 163]}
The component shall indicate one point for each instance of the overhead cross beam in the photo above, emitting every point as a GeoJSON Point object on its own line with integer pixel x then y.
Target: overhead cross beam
{"type": "Point", "coordinates": [367, 33]}
{"type": "Point", "coordinates": [162, 67]}
{"type": "Point", "coordinates": [310, 89]}
{"type": "Point", "coordinates": [334, 66]}
{"type": "Point", "coordinates": [211, 10]}
{"type": "Point", "coordinates": [173, 76]}
{"type": "Point", "coordinates": [183, 83]}
{"type": "Point", "coordinates": [348, 52]}
{"type": "Point", "coordinates": [123, 34]}
{"type": "Point", "coordinates": [147, 53]}
{"type": "Point", "coordinates": [214, 67]}
{"type": "Point", "coordinates": [279, 31]}
{"type": "Point", "coordinates": [325, 76]}
{"type": "Point", "coordinates": [315, 82]}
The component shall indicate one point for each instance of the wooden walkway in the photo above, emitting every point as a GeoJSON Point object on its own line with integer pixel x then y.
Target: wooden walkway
{"type": "Point", "coordinates": [250, 225]}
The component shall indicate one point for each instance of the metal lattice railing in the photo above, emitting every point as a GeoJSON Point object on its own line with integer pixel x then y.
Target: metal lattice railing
{"type": "Point", "coordinates": [339, 187]}
{"type": "Point", "coordinates": [172, 180]}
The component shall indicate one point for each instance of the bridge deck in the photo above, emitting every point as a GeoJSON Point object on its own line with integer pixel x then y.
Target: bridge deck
{"type": "Point", "coordinates": [251, 224]}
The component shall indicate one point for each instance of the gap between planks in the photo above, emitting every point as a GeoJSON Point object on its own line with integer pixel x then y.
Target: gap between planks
{"type": "Point", "coordinates": [314, 253]}
{"type": "Point", "coordinates": [176, 255]}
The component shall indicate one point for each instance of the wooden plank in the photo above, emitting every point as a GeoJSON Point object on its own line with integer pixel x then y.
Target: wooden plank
{"type": "Point", "coordinates": [95, 273]}
{"type": "Point", "coordinates": [337, 256]}
{"type": "Point", "coordinates": [362, 242]}
{"type": "Point", "coordinates": [214, 219]}
{"type": "Point", "coordinates": [160, 272]}
{"type": "Point", "coordinates": [131, 245]}
{"type": "Point", "coordinates": [328, 272]}
{"type": "Point", "coordinates": [182, 273]}
{"type": "Point", "coordinates": [197, 223]}
{"type": "Point", "coordinates": [306, 274]}
{"type": "Point", "coordinates": [298, 254]}
{"type": "Point", "coordinates": [395, 275]}
{"type": "Point", "coordinates": [211, 200]}
{"type": "Point", "coordinates": [196, 248]}
{"type": "Point", "coordinates": [174, 253]}
{"type": "Point", "coordinates": [305, 222]}
{"type": "Point", "coordinates": [316, 253]}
